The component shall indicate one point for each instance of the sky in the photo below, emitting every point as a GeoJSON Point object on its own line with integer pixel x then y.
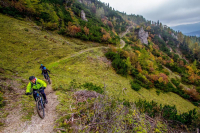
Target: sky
{"type": "Point", "coordinates": [168, 12]}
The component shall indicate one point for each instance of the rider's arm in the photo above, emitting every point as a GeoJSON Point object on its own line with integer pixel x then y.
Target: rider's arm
{"type": "Point", "coordinates": [48, 70]}
{"type": "Point", "coordinates": [28, 88]}
{"type": "Point", "coordinates": [42, 82]}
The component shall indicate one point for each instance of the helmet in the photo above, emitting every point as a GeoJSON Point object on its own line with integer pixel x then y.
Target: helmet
{"type": "Point", "coordinates": [41, 64]}
{"type": "Point", "coordinates": [31, 77]}
{"type": "Point", "coordinates": [44, 68]}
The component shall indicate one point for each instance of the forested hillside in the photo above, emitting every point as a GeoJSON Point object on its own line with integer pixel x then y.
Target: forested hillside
{"type": "Point", "coordinates": [149, 85]}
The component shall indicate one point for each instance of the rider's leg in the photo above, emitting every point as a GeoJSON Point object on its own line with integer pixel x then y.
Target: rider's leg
{"type": "Point", "coordinates": [44, 76]}
{"type": "Point", "coordinates": [43, 94]}
{"type": "Point", "coordinates": [34, 94]}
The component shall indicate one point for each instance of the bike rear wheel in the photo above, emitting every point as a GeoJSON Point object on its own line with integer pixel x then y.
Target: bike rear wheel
{"type": "Point", "coordinates": [40, 108]}
{"type": "Point", "coordinates": [48, 79]}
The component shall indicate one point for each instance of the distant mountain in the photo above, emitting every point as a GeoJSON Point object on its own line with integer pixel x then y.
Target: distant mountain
{"type": "Point", "coordinates": [195, 33]}
{"type": "Point", "coordinates": [188, 28]}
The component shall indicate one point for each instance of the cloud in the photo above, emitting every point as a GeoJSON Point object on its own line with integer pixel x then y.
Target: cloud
{"type": "Point", "coordinates": [169, 12]}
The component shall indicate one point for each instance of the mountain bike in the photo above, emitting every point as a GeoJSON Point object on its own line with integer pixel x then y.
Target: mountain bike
{"type": "Point", "coordinates": [40, 103]}
{"type": "Point", "coordinates": [47, 78]}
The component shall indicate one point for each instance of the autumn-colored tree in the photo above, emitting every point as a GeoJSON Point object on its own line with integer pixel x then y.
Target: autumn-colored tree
{"type": "Point", "coordinates": [181, 63]}
{"type": "Point", "coordinates": [104, 20]}
{"type": "Point", "coordinates": [139, 68]}
{"type": "Point", "coordinates": [133, 58]}
{"type": "Point", "coordinates": [164, 78]}
{"type": "Point", "coordinates": [113, 49]}
{"type": "Point", "coordinates": [193, 94]}
{"type": "Point", "coordinates": [110, 24]}
{"type": "Point", "coordinates": [190, 70]}
{"type": "Point", "coordinates": [103, 30]}
{"type": "Point", "coordinates": [148, 28]}
{"type": "Point", "coordinates": [106, 37]}
{"type": "Point", "coordinates": [72, 29]}
{"type": "Point", "coordinates": [86, 30]}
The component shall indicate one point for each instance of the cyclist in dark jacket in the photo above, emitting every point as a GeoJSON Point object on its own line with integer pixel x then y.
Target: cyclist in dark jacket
{"type": "Point", "coordinates": [36, 84]}
{"type": "Point", "coordinates": [42, 67]}
{"type": "Point", "coordinates": [45, 72]}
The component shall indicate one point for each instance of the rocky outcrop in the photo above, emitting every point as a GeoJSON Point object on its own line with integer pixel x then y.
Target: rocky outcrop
{"type": "Point", "coordinates": [174, 36]}
{"type": "Point", "coordinates": [159, 36]}
{"type": "Point", "coordinates": [83, 16]}
{"type": "Point", "coordinates": [143, 36]}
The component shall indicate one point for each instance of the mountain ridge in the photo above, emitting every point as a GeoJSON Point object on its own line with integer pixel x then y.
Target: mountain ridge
{"type": "Point", "coordinates": [187, 28]}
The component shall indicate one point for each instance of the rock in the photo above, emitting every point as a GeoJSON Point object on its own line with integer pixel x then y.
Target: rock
{"type": "Point", "coordinates": [174, 36]}
{"type": "Point", "coordinates": [143, 36]}
{"type": "Point", "coordinates": [83, 16]}
{"type": "Point", "coordinates": [159, 36]}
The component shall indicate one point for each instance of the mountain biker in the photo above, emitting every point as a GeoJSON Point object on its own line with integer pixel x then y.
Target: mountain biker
{"type": "Point", "coordinates": [36, 84]}
{"type": "Point", "coordinates": [45, 72]}
{"type": "Point", "coordinates": [42, 67]}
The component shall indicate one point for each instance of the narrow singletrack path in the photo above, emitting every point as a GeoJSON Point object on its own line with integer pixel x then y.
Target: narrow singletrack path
{"type": "Point", "coordinates": [36, 125]}
{"type": "Point", "coordinates": [45, 125]}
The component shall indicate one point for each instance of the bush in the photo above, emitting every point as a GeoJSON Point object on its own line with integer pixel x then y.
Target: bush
{"type": "Point", "coordinates": [135, 86]}
{"type": "Point", "coordinates": [167, 112]}
{"type": "Point", "coordinates": [165, 87]}
{"type": "Point", "coordinates": [91, 86]}
{"type": "Point", "coordinates": [2, 103]}
{"type": "Point", "coordinates": [120, 66]}
{"type": "Point", "coordinates": [176, 82]}
{"type": "Point", "coordinates": [111, 55]}
{"type": "Point", "coordinates": [134, 72]}
{"type": "Point", "coordinates": [158, 92]}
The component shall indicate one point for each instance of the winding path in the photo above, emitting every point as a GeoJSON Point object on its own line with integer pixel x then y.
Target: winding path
{"type": "Point", "coordinates": [122, 43]}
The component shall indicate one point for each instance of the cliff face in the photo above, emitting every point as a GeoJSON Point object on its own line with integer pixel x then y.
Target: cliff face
{"type": "Point", "coordinates": [83, 16]}
{"type": "Point", "coordinates": [143, 36]}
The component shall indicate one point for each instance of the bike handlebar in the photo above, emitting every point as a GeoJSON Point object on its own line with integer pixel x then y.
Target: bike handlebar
{"type": "Point", "coordinates": [42, 88]}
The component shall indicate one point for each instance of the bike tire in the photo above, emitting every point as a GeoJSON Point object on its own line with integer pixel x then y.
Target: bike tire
{"type": "Point", "coordinates": [40, 108]}
{"type": "Point", "coordinates": [49, 80]}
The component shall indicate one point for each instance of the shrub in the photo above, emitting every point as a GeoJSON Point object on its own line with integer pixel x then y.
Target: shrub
{"type": "Point", "coordinates": [134, 72]}
{"type": "Point", "coordinates": [158, 92]}
{"type": "Point", "coordinates": [2, 103]}
{"type": "Point", "coordinates": [120, 66]}
{"type": "Point", "coordinates": [176, 82]}
{"type": "Point", "coordinates": [193, 94]}
{"type": "Point", "coordinates": [167, 112]}
{"type": "Point", "coordinates": [111, 55]}
{"type": "Point", "coordinates": [91, 86]}
{"type": "Point", "coordinates": [135, 86]}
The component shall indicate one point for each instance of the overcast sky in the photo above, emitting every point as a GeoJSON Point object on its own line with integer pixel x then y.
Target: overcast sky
{"type": "Point", "coordinates": [168, 12]}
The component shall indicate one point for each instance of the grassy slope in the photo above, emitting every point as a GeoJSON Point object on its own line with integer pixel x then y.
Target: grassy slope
{"type": "Point", "coordinates": [24, 48]}
{"type": "Point", "coordinates": [88, 67]}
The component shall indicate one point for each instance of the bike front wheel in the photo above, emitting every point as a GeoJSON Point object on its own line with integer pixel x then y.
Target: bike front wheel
{"type": "Point", "coordinates": [40, 108]}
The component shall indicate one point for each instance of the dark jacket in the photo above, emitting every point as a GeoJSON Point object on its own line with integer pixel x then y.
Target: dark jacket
{"type": "Point", "coordinates": [45, 71]}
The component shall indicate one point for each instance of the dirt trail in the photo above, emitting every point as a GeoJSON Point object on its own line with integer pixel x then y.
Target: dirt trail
{"type": "Point", "coordinates": [36, 125]}
{"type": "Point", "coordinates": [122, 43]}
{"type": "Point", "coordinates": [80, 52]}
